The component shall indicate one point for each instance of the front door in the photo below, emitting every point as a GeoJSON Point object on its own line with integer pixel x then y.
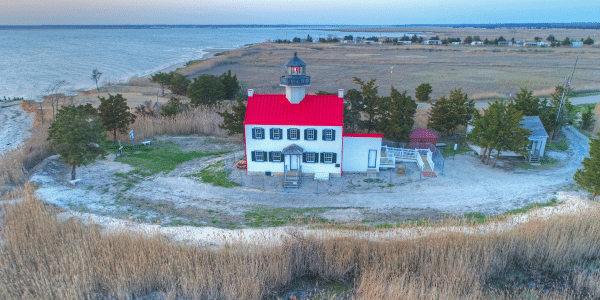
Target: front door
{"type": "Point", "coordinates": [372, 158]}
{"type": "Point", "coordinates": [293, 162]}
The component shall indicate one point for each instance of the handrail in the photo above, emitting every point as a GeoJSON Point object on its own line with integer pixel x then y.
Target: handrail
{"type": "Point", "coordinates": [430, 160]}
{"type": "Point", "coordinates": [420, 162]}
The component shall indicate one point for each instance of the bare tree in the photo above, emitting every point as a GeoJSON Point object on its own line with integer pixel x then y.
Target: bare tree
{"type": "Point", "coordinates": [53, 94]}
{"type": "Point", "coordinates": [96, 77]}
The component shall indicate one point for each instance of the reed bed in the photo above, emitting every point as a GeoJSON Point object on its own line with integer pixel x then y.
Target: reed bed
{"type": "Point", "coordinates": [43, 257]}
{"type": "Point", "coordinates": [14, 164]}
{"type": "Point", "coordinates": [200, 120]}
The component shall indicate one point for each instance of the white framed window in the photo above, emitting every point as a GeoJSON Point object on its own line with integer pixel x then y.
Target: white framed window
{"type": "Point", "coordinates": [276, 134]}
{"type": "Point", "coordinates": [258, 133]}
{"type": "Point", "coordinates": [311, 134]}
{"type": "Point", "coordinates": [311, 157]}
{"type": "Point", "coordinates": [259, 156]}
{"type": "Point", "coordinates": [328, 157]}
{"type": "Point", "coordinates": [293, 134]}
{"type": "Point", "coordinates": [276, 156]}
{"type": "Point", "coordinates": [328, 135]}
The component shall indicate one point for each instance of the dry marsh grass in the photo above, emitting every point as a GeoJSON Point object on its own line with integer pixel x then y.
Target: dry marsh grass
{"type": "Point", "coordinates": [44, 257]}
{"type": "Point", "coordinates": [200, 120]}
{"type": "Point", "coordinates": [15, 163]}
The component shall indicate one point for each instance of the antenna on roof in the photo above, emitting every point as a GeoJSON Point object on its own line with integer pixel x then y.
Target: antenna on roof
{"type": "Point", "coordinates": [566, 89]}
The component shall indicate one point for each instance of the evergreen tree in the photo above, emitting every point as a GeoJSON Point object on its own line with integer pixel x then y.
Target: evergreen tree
{"type": "Point", "coordinates": [414, 38]}
{"type": "Point", "coordinates": [164, 79]}
{"type": "Point", "coordinates": [230, 84]}
{"type": "Point", "coordinates": [234, 121]}
{"type": "Point", "coordinates": [353, 106]}
{"type": "Point", "coordinates": [78, 136]}
{"type": "Point", "coordinates": [441, 116]}
{"type": "Point", "coordinates": [499, 129]}
{"type": "Point", "coordinates": [566, 42]}
{"type": "Point", "coordinates": [178, 83]}
{"type": "Point", "coordinates": [588, 178]}
{"type": "Point", "coordinates": [370, 103]}
{"type": "Point", "coordinates": [115, 114]}
{"type": "Point", "coordinates": [588, 41]}
{"type": "Point", "coordinates": [527, 103]}
{"type": "Point", "coordinates": [587, 118]}
{"type": "Point", "coordinates": [422, 92]}
{"type": "Point", "coordinates": [206, 90]}
{"type": "Point", "coordinates": [173, 107]}
{"type": "Point", "coordinates": [447, 114]}
{"type": "Point", "coordinates": [468, 40]}
{"type": "Point", "coordinates": [397, 118]}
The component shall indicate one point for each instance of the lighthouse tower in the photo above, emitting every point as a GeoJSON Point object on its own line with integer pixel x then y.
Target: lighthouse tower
{"type": "Point", "coordinates": [295, 80]}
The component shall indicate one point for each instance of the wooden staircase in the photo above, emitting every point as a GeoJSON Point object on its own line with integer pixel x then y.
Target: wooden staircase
{"type": "Point", "coordinates": [427, 171]}
{"type": "Point", "coordinates": [292, 180]}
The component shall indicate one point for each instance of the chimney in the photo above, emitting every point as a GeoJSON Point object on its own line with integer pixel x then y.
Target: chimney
{"type": "Point", "coordinates": [341, 93]}
{"type": "Point", "coordinates": [250, 92]}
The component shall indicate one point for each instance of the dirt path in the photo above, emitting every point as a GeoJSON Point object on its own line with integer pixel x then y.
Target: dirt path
{"type": "Point", "coordinates": [15, 126]}
{"type": "Point", "coordinates": [468, 186]}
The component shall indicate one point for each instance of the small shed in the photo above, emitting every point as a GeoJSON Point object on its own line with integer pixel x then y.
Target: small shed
{"type": "Point", "coordinates": [423, 136]}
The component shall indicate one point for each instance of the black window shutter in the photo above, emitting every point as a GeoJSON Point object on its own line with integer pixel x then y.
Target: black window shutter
{"type": "Point", "coordinates": [271, 153]}
{"type": "Point", "coordinates": [253, 156]}
{"type": "Point", "coordinates": [265, 158]}
{"type": "Point", "coordinates": [303, 157]}
{"type": "Point", "coordinates": [305, 135]}
{"type": "Point", "coordinates": [322, 156]}
{"type": "Point", "coordinates": [323, 135]}
{"type": "Point", "coordinates": [253, 133]}
{"type": "Point", "coordinates": [289, 136]}
{"type": "Point", "coordinates": [334, 159]}
{"type": "Point", "coordinates": [332, 134]}
{"type": "Point", "coordinates": [271, 133]}
{"type": "Point", "coordinates": [262, 130]}
{"type": "Point", "coordinates": [280, 133]}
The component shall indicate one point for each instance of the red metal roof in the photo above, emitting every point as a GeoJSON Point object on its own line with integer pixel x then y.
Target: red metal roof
{"type": "Point", "coordinates": [423, 134]}
{"type": "Point", "coordinates": [364, 135]}
{"type": "Point", "coordinates": [315, 110]}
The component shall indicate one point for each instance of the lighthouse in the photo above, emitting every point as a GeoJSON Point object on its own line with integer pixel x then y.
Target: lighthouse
{"type": "Point", "coordinates": [295, 80]}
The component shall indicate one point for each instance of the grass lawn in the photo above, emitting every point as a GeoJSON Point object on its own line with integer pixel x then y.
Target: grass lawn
{"type": "Point", "coordinates": [216, 175]}
{"type": "Point", "coordinates": [159, 158]}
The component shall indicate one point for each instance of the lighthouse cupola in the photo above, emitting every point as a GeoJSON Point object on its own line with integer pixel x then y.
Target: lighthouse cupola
{"type": "Point", "coordinates": [295, 79]}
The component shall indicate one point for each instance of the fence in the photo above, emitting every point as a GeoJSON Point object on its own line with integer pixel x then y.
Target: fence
{"type": "Point", "coordinates": [380, 182]}
{"type": "Point", "coordinates": [435, 158]}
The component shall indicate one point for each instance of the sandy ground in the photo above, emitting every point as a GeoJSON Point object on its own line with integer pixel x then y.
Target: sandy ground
{"type": "Point", "coordinates": [15, 126]}
{"type": "Point", "coordinates": [468, 186]}
{"type": "Point", "coordinates": [215, 237]}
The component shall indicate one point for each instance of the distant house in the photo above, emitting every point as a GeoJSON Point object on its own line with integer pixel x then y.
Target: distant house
{"type": "Point", "coordinates": [315, 41]}
{"type": "Point", "coordinates": [456, 43]}
{"type": "Point", "coordinates": [518, 43]}
{"type": "Point", "coordinates": [476, 43]}
{"type": "Point", "coordinates": [577, 44]}
{"type": "Point", "coordinates": [405, 42]}
{"type": "Point", "coordinates": [432, 42]}
{"type": "Point", "coordinates": [368, 42]}
{"type": "Point", "coordinates": [537, 138]}
{"type": "Point", "coordinates": [505, 43]}
{"type": "Point", "coordinates": [529, 44]}
{"type": "Point", "coordinates": [544, 44]}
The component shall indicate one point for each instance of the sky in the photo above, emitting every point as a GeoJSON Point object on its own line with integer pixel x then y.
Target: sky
{"type": "Point", "coordinates": [290, 12]}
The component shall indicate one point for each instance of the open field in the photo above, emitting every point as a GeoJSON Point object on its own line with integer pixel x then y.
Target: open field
{"type": "Point", "coordinates": [483, 72]}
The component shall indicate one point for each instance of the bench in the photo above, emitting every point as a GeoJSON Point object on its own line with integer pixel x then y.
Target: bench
{"type": "Point", "coordinates": [74, 182]}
